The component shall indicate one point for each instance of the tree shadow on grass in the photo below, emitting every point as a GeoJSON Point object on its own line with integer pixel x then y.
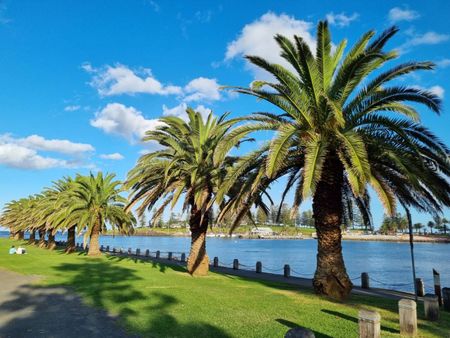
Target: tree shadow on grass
{"type": "Point", "coordinates": [355, 320]}
{"type": "Point", "coordinates": [109, 285]}
{"type": "Point", "coordinates": [31, 311]}
{"type": "Point", "coordinates": [164, 324]}
{"type": "Point", "coordinates": [292, 325]}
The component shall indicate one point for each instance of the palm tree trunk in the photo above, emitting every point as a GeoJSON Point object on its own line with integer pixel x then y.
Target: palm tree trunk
{"type": "Point", "coordinates": [18, 235]}
{"type": "Point", "coordinates": [51, 244]}
{"type": "Point", "coordinates": [32, 238]}
{"type": "Point", "coordinates": [94, 247]}
{"type": "Point", "coordinates": [71, 245]}
{"type": "Point", "coordinates": [41, 238]}
{"type": "Point", "coordinates": [198, 261]}
{"type": "Point", "coordinates": [331, 277]}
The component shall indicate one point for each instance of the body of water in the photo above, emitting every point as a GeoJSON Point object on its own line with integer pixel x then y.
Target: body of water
{"type": "Point", "coordinates": [388, 263]}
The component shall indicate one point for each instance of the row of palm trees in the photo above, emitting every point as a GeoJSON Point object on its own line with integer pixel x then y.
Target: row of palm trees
{"type": "Point", "coordinates": [84, 204]}
{"type": "Point", "coordinates": [339, 128]}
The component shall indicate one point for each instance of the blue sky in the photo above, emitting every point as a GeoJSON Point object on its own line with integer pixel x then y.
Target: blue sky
{"type": "Point", "coordinates": [82, 80]}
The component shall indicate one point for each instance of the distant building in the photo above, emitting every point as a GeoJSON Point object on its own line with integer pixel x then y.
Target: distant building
{"type": "Point", "coordinates": [262, 231]}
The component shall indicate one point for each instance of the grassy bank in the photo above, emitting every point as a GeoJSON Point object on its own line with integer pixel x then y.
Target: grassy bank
{"type": "Point", "coordinates": [163, 301]}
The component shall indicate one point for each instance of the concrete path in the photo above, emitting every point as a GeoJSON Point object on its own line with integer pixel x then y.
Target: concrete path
{"type": "Point", "coordinates": [28, 310]}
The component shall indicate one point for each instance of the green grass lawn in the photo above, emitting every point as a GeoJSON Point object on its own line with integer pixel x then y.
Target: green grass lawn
{"type": "Point", "coordinates": [163, 301]}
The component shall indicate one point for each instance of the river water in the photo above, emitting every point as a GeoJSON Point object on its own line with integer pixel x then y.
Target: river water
{"type": "Point", "coordinates": [388, 263]}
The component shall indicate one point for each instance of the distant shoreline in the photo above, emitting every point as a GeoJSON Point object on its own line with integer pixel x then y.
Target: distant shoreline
{"type": "Point", "coordinates": [345, 237]}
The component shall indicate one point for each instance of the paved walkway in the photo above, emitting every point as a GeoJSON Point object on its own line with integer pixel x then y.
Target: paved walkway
{"type": "Point", "coordinates": [28, 310]}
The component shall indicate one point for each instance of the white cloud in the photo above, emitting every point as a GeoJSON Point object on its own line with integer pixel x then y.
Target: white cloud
{"type": "Point", "coordinates": [202, 88]}
{"type": "Point", "coordinates": [180, 111]}
{"type": "Point", "coordinates": [17, 156]}
{"type": "Point", "coordinates": [119, 79]}
{"type": "Point", "coordinates": [444, 63]}
{"type": "Point", "coordinates": [428, 38]}
{"type": "Point", "coordinates": [22, 153]}
{"type": "Point", "coordinates": [257, 38]}
{"type": "Point", "coordinates": [341, 20]}
{"type": "Point", "coordinates": [128, 122]}
{"type": "Point", "coordinates": [72, 108]}
{"type": "Point", "coordinates": [397, 14]}
{"type": "Point", "coordinates": [36, 142]}
{"type": "Point", "coordinates": [436, 90]}
{"type": "Point", "coordinates": [113, 156]}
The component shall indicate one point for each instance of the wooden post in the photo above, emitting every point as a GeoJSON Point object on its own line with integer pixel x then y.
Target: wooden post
{"type": "Point", "coordinates": [107, 248]}
{"type": "Point", "coordinates": [169, 256]}
{"type": "Point", "coordinates": [408, 317]}
{"type": "Point", "coordinates": [369, 324]}
{"type": "Point", "coordinates": [365, 284]}
{"type": "Point", "coordinates": [138, 252]}
{"type": "Point", "coordinates": [446, 298]}
{"type": "Point", "coordinates": [102, 248]}
{"type": "Point", "coordinates": [129, 251]}
{"type": "Point", "coordinates": [147, 253]}
{"type": "Point", "coordinates": [258, 267]}
{"type": "Point", "coordinates": [183, 257]}
{"type": "Point", "coordinates": [216, 262]}
{"type": "Point", "coordinates": [287, 271]}
{"type": "Point", "coordinates": [236, 264]}
{"type": "Point", "coordinates": [420, 287]}
{"type": "Point", "coordinates": [437, 285]}
{"type": "Point", "coordinates": [158, 254]}
{"type": "Point", "coordinates": [114, 250]}
{"type": "Point", "coordinates": [431, 307]}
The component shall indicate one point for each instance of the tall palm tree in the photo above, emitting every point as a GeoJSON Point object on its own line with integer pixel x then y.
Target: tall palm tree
{"type": "Point", "coordinates": [439, 223]}
{"type": "Point", "coordinates": [58, 205]}
{"type": "Point", "coordinates": [418, 226]}
{"type": "Point", "coordinates": [95, 203]}
{"type": "Point", "coordinates": [342, 128]}
{"type": "Point", "coordinates": [191, 165]}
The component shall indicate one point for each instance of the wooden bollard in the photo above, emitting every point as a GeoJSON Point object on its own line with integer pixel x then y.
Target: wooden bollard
{"type": "Point", "coordinates": [77, 245]}
{"type": "Point", "coordinates": [129, 251]}
{"type": "Point", "coordinates": [107, 248]}
{"type": "Point", "coordinates": [431, 307]}
{"type": "Point", "coordinates": [158, 254]}
{"type": "Point", "coordinates": [258, 267]}
{"type": "Point", "coordinates": [446, 298]}
{"type": "Point", "coordinates": [407, 309]}
{"type": "Point", "coordinates": [138, 252]}
{"type": "Point", "coordinates": [420, 287]}
{"type": "Point", "coordinates": [287, 271]}
{"type": "Point", "coordinates": [102, 248]}
{"type": "Point", "coordinates": [169, 256]}
{"type": "Point", "coordinates": [114, 250]}
{"type": "Point", "coordinates": [437, 285]}
{"type": "Point", "coordinates": [147, 253]}
{"type": "Point", "coordinates": [236, 264]}
{"type": "Point", "coordinates": [216, 262]}
{"type": "Point", "coordinates": [365, 283]}
{"type": "Point", "coordinates": [183, 257]}
{"type": "Point", "coordinates": [369, 324]}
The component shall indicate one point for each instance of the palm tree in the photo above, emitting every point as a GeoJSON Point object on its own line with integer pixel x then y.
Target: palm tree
{"type": "Point", "coordinates": [342, 128]}
{"type": "Point", "coordinates": [191, 164]}
{"type": "Point", "coordinates": [418, 226]}
{"type": "Point", "coordinates": [96, 203]}
{"type": "Point", "coordinates": [58, 206]}
{"type": "Point", "coordinates": [439, 223]}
